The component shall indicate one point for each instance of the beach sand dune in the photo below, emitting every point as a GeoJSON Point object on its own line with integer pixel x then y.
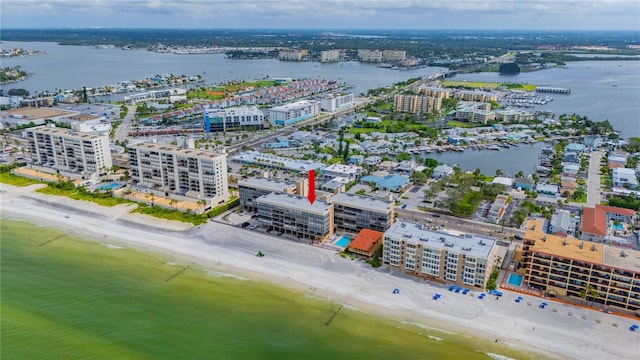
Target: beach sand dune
{"type": "Point", "coordinates": [324, 273]}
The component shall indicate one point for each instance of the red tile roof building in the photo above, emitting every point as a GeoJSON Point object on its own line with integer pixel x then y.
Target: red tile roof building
{"type": "Point", "coordinates": [595, 221]}
{"type": "Point", "coordinates": [367, 242]}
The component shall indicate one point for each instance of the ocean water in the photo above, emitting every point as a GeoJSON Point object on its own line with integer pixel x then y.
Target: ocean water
{"type": "Point", "coordinates": [66, 298]}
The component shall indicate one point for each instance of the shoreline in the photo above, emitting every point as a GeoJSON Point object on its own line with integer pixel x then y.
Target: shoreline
{"type": "Point", "coordinates": [354, 283]}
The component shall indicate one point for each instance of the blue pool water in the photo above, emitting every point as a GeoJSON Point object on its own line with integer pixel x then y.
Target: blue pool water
{"type": "Point", "coordinates": [344, 241]}
{"type": "Point", "coordinates": [617, 227]}
{"type": "Point", "coordinates": [109, 186]}
{"type": "Point", "coordinates": [515, 279]}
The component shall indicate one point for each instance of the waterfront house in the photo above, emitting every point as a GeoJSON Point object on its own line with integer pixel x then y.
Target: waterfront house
{"type": "Point", "coordinates": [576, 147]}
{"type": "Point", "coordinates": [592, 141]}
{"type": "Point", "coordinates": [523, 183]}
{"type": "Point", "coordinates": [441, 171]}
{"type": "Point", "coordinates": [547, 189]}
{"type": "Point", "coordinates": [508, 182]}
{"type": "Point", "coordinates": [570, 168]}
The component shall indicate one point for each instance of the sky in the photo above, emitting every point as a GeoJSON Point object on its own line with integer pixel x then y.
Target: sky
{"type": "Point", "coordinates": [324, 14]}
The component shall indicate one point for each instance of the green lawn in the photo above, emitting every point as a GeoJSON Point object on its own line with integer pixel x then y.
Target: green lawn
{"type": "Point", "coordinates": [487, 85]}
{"type": "Point", "coordinates": [461, 124]}
{"type": "Point", "coordinates": [15, 180]}
{"type": "Point", "coordinates": [170, 214]}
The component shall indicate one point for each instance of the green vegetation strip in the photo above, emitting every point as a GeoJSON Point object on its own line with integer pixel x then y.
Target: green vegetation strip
{"type": "Point", "coordinates": [74, 299]}
{"type": "Point", "coordinates": [170, 214]}
{"type": "Point", "coordinates": [79, 193]}
{"type": "Point", "coordinates": [487, 85]}
{"type": "Point", "coordinates": [15, 180]}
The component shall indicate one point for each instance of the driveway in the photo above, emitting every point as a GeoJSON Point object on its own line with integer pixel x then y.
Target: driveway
{"type": "Point", "coordinates": [593, 182]}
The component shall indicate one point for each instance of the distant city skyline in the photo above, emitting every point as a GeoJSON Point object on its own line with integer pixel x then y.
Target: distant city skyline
{"type": "Point", "coordinates": [324, 14]}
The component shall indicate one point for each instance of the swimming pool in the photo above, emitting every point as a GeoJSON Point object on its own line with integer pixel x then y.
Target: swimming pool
{"type": "Point", "coordinates": [110, 186]}
{"type": "Point", "coordinates": [515, 279]}
{"type": "Point", "coordinates": [343, 242]}
{"type": "Point", "coordinates": [617, 226]}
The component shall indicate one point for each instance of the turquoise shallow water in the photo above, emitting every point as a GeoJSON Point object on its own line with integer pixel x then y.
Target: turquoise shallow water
{"type": "Point", "coordinates": [65, 298]}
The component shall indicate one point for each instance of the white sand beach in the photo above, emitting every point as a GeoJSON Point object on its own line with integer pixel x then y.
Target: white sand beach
{"type": "Point", "coordinates": [585, 334]}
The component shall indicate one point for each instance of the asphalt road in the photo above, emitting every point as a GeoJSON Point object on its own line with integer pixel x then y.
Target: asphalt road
{"type": "Point", "coordinates": [122, 131]}
{"type": "Point", "coordinates": [593, 183]}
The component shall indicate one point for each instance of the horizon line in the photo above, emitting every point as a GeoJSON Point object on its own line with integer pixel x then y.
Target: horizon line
{"type": "Point", "coordinates": [310, 29]}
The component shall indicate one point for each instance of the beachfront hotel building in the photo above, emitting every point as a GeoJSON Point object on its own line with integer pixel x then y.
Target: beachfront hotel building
{"type": "Point", "coordinates": [69, 152]}
{"type": "Point", "coordinates": [353, 213]}
{"type": "Point", "coordinates": [565, 266]}
{"type": "Point", "coordinates": [174, 170]}
{"type": "Point", "coordinates": [251, 189]}
{"type": "Point", "coordinates": [294, 216]}
{"type": "Point", "coordinates": [417, 104]}
{"type": "Point", "coordinates": [290, 114]}
{"type": "Point", "coordinates": [462, 259]}
{"type": "Point", "coordinates": [233, 119]}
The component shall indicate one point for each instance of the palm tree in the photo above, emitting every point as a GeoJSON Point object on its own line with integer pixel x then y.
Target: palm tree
{"type": "Point", "coordinates": [589, 292]}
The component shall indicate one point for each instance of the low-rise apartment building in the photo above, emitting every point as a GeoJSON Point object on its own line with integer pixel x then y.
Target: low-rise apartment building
{"type": "Point", "coordinates": [353, 213]}
{"type": "Point", "coordinates": [294, 216]}
{"type": "Point", "coordinates": [290, 114]}
{"type": "Point", "coordinates": [174, 170]}
{"type": "Point", "coordinates": [566, 266]}
{"type": "Point", "coordinates": [233, 119]}
{"type": "Point", "coordinates": [350, 172]}
{"type": "Point", "coordinates": [58, 150]}
{"type": "Point", "coordinates": [462, 259]}
{"type": "Point", "coordinates": [335, 102]}
{"type": "Point", "coordinates": [251, 189]}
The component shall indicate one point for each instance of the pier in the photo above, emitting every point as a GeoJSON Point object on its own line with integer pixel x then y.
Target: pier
{"type": "Point", "coordinates": [553, 90]}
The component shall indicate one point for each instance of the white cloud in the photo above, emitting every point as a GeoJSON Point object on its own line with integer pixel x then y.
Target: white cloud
{"type": "Point", "coordinates": [314, 13]}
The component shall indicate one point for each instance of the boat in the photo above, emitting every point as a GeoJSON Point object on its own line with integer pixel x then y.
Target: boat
{"type": "Point", "coordinates": [615, 85]}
